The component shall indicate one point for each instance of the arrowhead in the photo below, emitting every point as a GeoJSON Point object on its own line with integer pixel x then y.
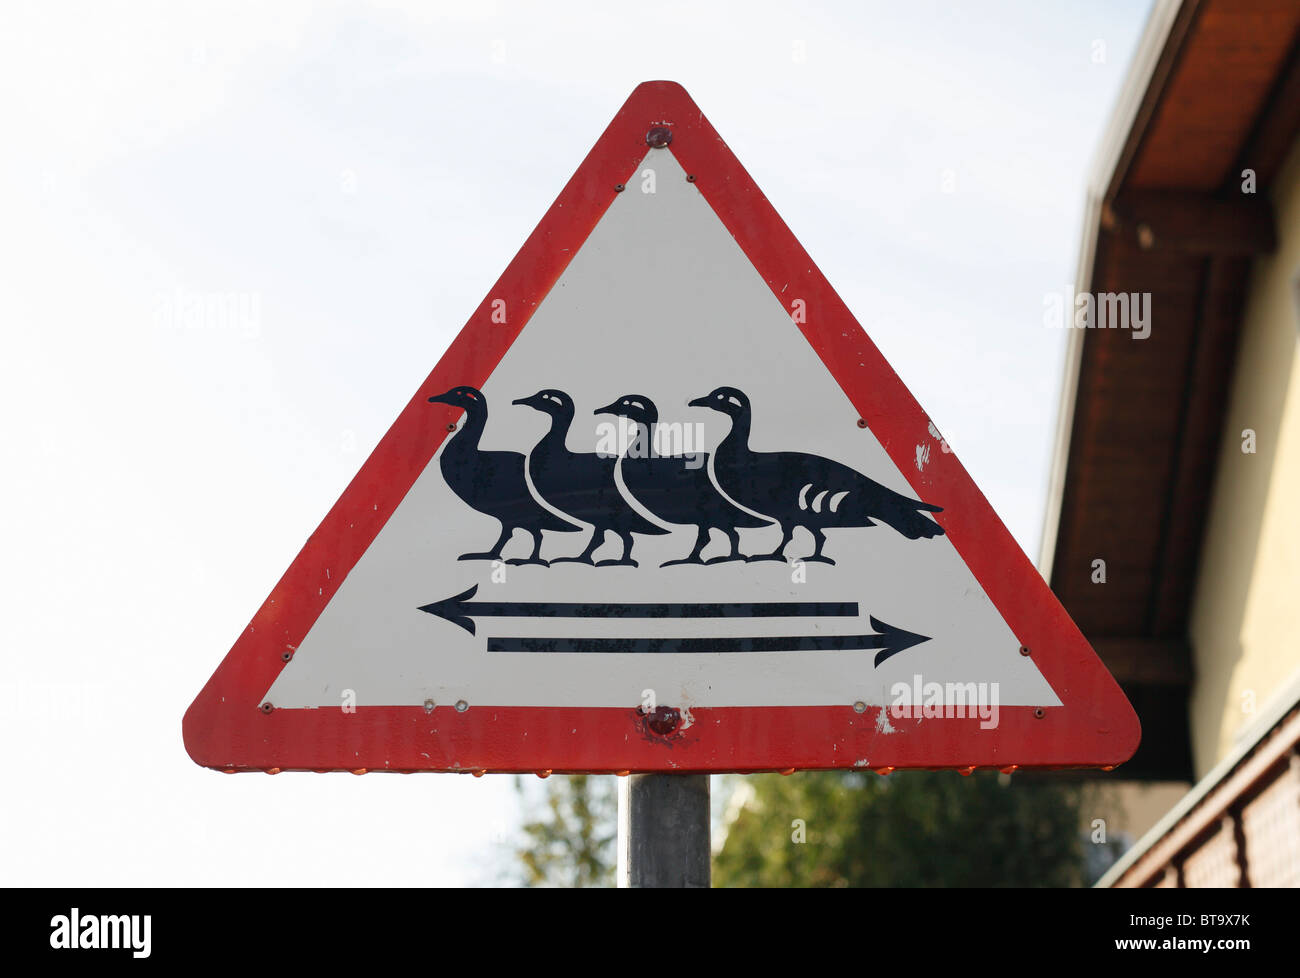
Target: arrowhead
{"type": "Point", "coordinates": [896, 639]}
{"type": "Point", "coordinates": [454, 609]}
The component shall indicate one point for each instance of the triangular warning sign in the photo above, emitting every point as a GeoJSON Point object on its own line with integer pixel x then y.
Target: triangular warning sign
{"type": "Point", "coordinates": [661, 506]}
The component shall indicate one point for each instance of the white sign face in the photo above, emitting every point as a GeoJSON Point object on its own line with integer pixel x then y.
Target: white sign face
{"type": "Point", "coordinates": [662, 505]}
{"type": "Point", "coordinates": [660, 307]}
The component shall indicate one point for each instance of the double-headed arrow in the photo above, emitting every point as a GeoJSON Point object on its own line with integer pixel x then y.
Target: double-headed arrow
{"type": "Point", "coordinates": [462, 611]}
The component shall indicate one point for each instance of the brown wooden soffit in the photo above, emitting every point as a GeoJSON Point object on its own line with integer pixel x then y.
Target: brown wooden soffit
{"type": "Point", "coordinates": [1146, 661]}
{"type": "Point", "coordinates": [1226, 69]}
{"type": "Point", "coordinates": [1191, 223]}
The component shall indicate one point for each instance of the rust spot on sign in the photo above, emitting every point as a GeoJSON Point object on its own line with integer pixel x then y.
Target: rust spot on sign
{"type": "Point", "coordinates": [662, 725]}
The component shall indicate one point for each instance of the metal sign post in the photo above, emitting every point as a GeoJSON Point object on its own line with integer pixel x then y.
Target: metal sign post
{"type": "Point", "coordinates": [663, 831]}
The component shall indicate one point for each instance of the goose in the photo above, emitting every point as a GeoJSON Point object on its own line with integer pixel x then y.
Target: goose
{"type": "Point", "coordinates": [676, 488]}
{"type": "Point", "coordinates": [796, 489]}
{"type": "Point", "coordinates": [581, 484]}
{"type": "Point", "coordinates": [492, 482]}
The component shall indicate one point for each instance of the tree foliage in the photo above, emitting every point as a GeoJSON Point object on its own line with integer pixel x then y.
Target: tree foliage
{"type": "Point", "coordinates": [910, 829]}
{"type": "Point", "coordinates": [571, 843]}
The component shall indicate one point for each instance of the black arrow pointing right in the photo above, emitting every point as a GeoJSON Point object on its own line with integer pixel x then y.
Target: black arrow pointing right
{"type": "Point", "coordinates": [890, 641]}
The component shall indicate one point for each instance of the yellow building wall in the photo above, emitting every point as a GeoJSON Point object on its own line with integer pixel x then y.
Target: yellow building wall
{"type": "Point", "coordinates": [1245, 623]}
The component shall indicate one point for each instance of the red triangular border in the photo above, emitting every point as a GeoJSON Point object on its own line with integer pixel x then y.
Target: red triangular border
{"type": "Point", "coordinates": [226, 727]}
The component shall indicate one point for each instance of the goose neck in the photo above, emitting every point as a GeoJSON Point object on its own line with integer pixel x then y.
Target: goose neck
{"type": "Point", "coordinates": [738, 437]}
{"type": "Point", "coordinates": [643, 443]}
{"type": "Point", "coordinates": [472, 430]}
{"type": "Point", "coordinates": [559, 432]}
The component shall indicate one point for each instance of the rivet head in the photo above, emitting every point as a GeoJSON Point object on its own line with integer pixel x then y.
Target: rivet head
{"type": "Point", "coordinates": [862, 422]}
{"type": "Point", "coordinates": [286, 656]}
{"type": "Point", "coordinates": [1024, 650]}
{"type": "Point", "coordinates": [1039, 713]}
{"type": "Point", "coordinates": [461, 706]}
{"type": "Point", "coordinates": [663, 720]}
{"type": "Point", "coordinates": [658, 137]}
{"type": "Point", "coordinates": [266, 708]}
{"type": "Point", "coordinates": [690, 178]}
{"type": "Point", "coordinates": [619, 188]}
{"type": "Point", "coordinates": [428, 706]}
{"type": "Point", "coordinates": [859, 707]}
{"type": "Point", "coordinates": [451, 427]}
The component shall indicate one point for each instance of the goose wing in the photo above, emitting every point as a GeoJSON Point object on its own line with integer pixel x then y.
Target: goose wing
{"type": "Point", "coordinates": [501, 489]}
{"type": "Point", "coordinates": [833, 494]}
{"type": "Point", "coordinates": [581, 485]}
{"type": "Point", "coordinates": [678, 489]}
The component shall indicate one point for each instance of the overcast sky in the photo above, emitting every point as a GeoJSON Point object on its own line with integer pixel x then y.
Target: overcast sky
{"type": "Point", "coordinates": [355, 177]}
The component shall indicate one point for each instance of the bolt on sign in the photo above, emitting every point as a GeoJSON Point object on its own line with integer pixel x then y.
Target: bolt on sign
{"type": "Point", "coordinates": [661, 506]}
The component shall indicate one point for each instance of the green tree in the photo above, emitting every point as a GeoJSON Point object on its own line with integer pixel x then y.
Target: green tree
{"type": "Point", "coordinates": [571, 843]}
{"type": "Point", "coordinates": [912, 828]}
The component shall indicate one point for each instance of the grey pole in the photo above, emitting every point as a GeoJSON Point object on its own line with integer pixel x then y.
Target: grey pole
{"type": "Point", "coordinates": [664, 831]}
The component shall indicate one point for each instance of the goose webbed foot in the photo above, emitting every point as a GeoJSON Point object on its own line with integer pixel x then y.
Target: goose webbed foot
{"type": "Point", "coordinates": [621, 562]}
{"type": "Point", "coordinates": [701, 541]}
{"type": "Point", "coordinates": [726, 558]}
{"type": "Point", "coordinates": [495, 556]}
{"type": "Point", "coordinates": [581, 559]}
{"type": "Point", "coordinates": [817, 557]}
{"type": "Point", "coordinates": [522, 561]}
{"type": "Point", "coordinates": [758, 557]}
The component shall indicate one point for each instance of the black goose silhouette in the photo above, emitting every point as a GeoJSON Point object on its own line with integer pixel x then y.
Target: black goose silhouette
{"type": "Point", "coordinates": [795, 489]}
{"type": "Point", "coordinates": [492, 482]}
{"type": "Point", "coordinates": [581, 484]}
{"type": "Point", "coordinates": [676, 488]}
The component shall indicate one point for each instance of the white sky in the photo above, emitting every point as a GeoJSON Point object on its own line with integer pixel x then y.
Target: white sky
{"type": "Point", "coordinates": [360, 175]}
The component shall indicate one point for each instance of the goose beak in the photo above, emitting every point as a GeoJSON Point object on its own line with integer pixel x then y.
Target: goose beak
{"type": "Point", "coordinates": [528, 402]}
{"type": "Point", "coordinates": [607, 409]}
{"type": "Point", "coordinates": [699, 402]}
{"type": "Point", "coordinates": [443, 398]}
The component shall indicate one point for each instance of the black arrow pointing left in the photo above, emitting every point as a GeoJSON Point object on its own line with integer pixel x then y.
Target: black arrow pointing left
{"type": "Point", "coordinates": [461, 610]}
